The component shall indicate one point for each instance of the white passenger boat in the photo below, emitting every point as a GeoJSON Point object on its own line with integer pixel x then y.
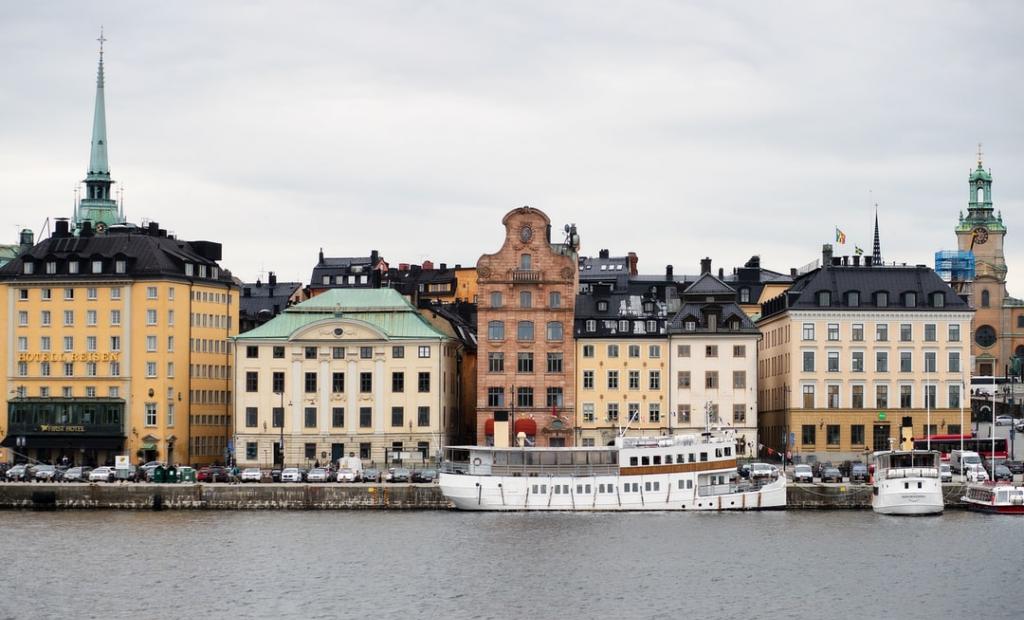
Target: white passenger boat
{"type": "Point", "coordinates": [997, 498]}
{"type": "Point", "coordinates": [906, 482]}
{"type": "Point", "coordinates": [682, 472]}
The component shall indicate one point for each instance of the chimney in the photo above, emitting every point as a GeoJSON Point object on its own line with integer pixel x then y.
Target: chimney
{"type": "Point", "coordinates": [428, 265]}
{"type": "Point", "coordinates": [374, 257]}
{"type": "Point", "coordinates": [867, 261]}
{"type": "Point", "coordinates": [86, 230]}
{"type": "Point", "coordinates": [154, 229]}
{"type": "Point", "coordinates": [792, 272]}
{"type": "Point", "coordinates": [705, 265]}
{"type": "Point", "coordinates": [444, 266]}
{"type": "Point", "coordinates": [856, 261]}
{"type": "Point", "coordinates": [602, 254]}
{"type": "Point", "coordinates": [826, 255]}
{"type": "Point", "coordinates": [272, 278]}
{"type": "Point", "coordinates": [321, 259]}
{"type": "Point", "coordinates": [458, 266]}
{"type": "Point", "coordinates": [27, 238]}
{"type": "Point", "coordinates": [846, 261]}
{"type": "Point", "coordinates": [721, 273]}
{"type": "Point", "coordinates": [632, 263]}
{"type": "Point", "coordinates": [668, 272]}
{"type": "Point", "coordinates": [403, 266]}
{"type": "Point", "coordinates": [62, 228]}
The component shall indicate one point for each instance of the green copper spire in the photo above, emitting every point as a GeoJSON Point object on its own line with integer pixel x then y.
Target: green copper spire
{"type": "Point", "coordinates": [979, 205]}
{"type": "Point", "coordinates": [98, 206]}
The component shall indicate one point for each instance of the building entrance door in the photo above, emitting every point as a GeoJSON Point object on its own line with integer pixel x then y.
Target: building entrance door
{"type": "Point", "coordinates": [337, 452]}
{"type": "Point", "coordinates": [881, 437]}
{"type": "Point", "coordinates": [985, 370]}
{"type": "Point", "coordinates": [278, 455]}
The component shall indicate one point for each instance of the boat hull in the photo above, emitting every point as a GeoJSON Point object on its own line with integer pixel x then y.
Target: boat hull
{"type": "Point", "coordinates": [999, 509]}
{"type": "Point", "coordinates": [503, 493]}
{"type": "Point", "coordinates": [890, 497]}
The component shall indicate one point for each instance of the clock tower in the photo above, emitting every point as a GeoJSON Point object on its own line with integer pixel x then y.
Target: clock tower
{"type": "Point", "coordinates": [982, 232]}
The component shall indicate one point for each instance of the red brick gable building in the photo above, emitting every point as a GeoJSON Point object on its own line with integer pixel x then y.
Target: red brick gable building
{"type": "Point", "coordinates": [526, 359]}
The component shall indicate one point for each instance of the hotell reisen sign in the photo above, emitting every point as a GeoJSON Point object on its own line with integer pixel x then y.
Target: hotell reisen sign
{"type": "Point", "coordinates": [69, 357]}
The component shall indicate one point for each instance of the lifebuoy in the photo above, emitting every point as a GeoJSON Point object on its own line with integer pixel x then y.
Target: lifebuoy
{"type": "Point", "coordinates": [477, 461]}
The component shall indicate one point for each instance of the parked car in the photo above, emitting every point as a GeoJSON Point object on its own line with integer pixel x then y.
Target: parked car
{"type": "Point", "coordinates": [820, 466]}
{"type": "Point", "coordinates": [370, 475]}
{"type": "Point", "coordinates": [251, 474]}
{"type": "Point", "coordinates": [292, 474]}
{"type": "Point", "coordinates": [77, 474]}
{"type": "Point", "coordinates": [424, 475]}
{"type": "Point", "coordinates": [1016, 467]}
{"type": "Point", "coordinates": [858, 472]}
{"type": "Point", "coordinates": [275, 474]}
{"type": "Point", "coordinates": [102, 474]}
{"type": "Point", "coordinates": [1019, 426]}
{"type": "Point", "coordinates": [1004, 420]}
{"type": "Point", "coordinates": [17, 472]}
{"type": "Point", "coordinates": [831, 474]}
{"type": "Point", "coordinates": [945, 473]}
{"type": "Point", "coordinates": [213, 474]}
{"type": "Point", "coordinates": [1002, 472]}
{"type": "Point", "coordinates": [803, 473]}
{"type": "Point", "coordinates": [401, 474]}
{"type": "Point", "coordinates": [318, 474]}
{"type": "Point", "coordinates": [46, 473]}
{"type": "Point", "coordinates": [762, 470]}
{"type": "Point", "coordinates": [976, 473]}
{"type": "Point", "coordinates": [346, 475]}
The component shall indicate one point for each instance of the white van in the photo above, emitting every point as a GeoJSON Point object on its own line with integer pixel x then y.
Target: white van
{"type": "Point", "coordinates": [960, 459]}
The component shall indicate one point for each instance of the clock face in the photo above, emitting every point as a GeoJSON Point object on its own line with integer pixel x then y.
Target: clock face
{"type": "Point", "coordinates": [526, 233]}
{"type": "Point", "coordinates": [980, 235]}
{"type": "Point", "coordinates": [985, 336]}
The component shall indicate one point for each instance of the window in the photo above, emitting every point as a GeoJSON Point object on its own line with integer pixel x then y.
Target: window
{"type": "Point", "coordinates": [654, 380]}
{"type": "Point", "coordinates": [954, 396]}
{"type": "Point", "coordinates": [634, 412]}
{"type": "Point", "coordinates": [424, 382]}
{"type": "Point", "coordinates": [833, 331]}
{"type": "Point", "coordinates": [495, 362]}
{"type": "Point", "coordinates": [906, 332]}
{"type": "Point", "coordinates": [683, 350]}
{"type": "Point", "coordinates": [45, 317]}
{"type": "Point", "coordinates": [398, 381]}
{"type": "Point", "coordinates": [524, 330]}
{"type": "Point", "coordinates": [526, 262]}
{"type": "Point", "coordinates": [654, 412]}
{"type": "Point", "coordinates": [832, 434]}
{"type": "Point", "coordinates": [824, 299]}
{"type": "Point", "coordinates": [69, 293]}
{"type": "Point", "coordinates": [906, 396]}
{"type": "Point", "coordinates": [881, 396]}
{"type": "Point", "coordinates": [833, 361]}
{"type": "Point", "coordinates": [524, 397]}
{"type": "Point", "coordinates": [555, 364]}
{"type": "Point", "coordinates": [69, 369]}
{"type": "Point", "coordinates": [150, 369]}
{"type": "Point", "coordinates": [151, 343]}
{"type": "Point", "coordinates": [634, 379]}
{"type": "Point", "coordinates": [28, 268]}
{"type": "Point", "coordinates": [115, 343]}
{"type": "Point", "coordinates": [588, 379]}
{"type": "Point", "coordinates": [906, 361]}
{"type": "Point", "coordinates": [929, 361]}
{"type": "Point", "coordinates": [808, 331]}
{"type": "Point", "coordinates": [252, 352]}
{"type": "Point", "coordinates": [278, 353]}
{"type": "Point", "coordinates": [90, 317]}
{"type": "Point", "coordinates": [277, 417]}
{"type": "Point", "coordinates": [309, 353]}
{"type": "Point", "coordinates": [69, 317]}
{"type": "Point", "coordinates": [954, 361]}
{"type": "Point", "coordinates": [150, 317]}
{"type": "Point", "coordinates": [23, 318]}
{"type": "Point", "coordinates": [555, 330]}
{"type": "Point", "coordinates": [881, 361]}
{"type": "Point", "coordinates": [115, 369]}
{"type": "Point", "coordinates": [807, 434]}
{"type": "Point", "coordinates": [170, 344]}
{"type": "Point", "coordinates": [69, 343]}
{"type": "Point", "coordinates": [613, 379]}
{"type": "Point", "coordinates": [252, 381]}
{"type": "Point", "coordinates": [882, 332]}
{"type": "Point", "coordinates": [495, 397]}
{"type": "Point", "coordinates": [808, 392]}
{"type": "Point", "coordinates": [739, 350]}
{"type": "Point", "coordinates": [397, 416]}
{"type": "Point", "coordinates": [365, 417]}
{"type": "Point", "coordinates": [739, 414]}
{"type": "Point", "coordinates": [150, 414]}
{"type": "Point", "coordinates": [910, 300]}
{"type": "Point", "coordinates": [613, 350]}
{"type": "Point", "coordinates": [857, 361]}
{"type": "Point", "coordinates": [633, 351]}
{"type": "Point", "coordinates": [309, 417]}
{"type": "Point", "coordinates": [602, 306]}
{"type": "Point", "coordinates": [711, 379]}
{"type": "Point", "coordinates": [929, 332]}
{"type": "Point", "coordinates": [277, 382]}
{"type": "Point", "coordinates": [251, 417]}
{"type": "Point", "coordinates": [588, 350]}
{"type": "Point", "coordinates": [554, 397]}
{"type": "Point", "coordinates": [832, 393]}
{"type": "Point", "coordinates": [588, 412]}
{"type": "Point", "coordinates": [654, 351]}
{"type": "Point", "coordinates": [554, 299]}
{"type": "Point", "coordinates": [857, 397]}
{"type": "Point", "coordinates": [984, 299]}
{"type": "Point", "coordinates": [495, 300]}
{"type": "Point", "coordinates": [524, 362]}
{"type": "Point", "coordinates": [683, 413]}
{"type": "Point", "coordinates": [591, 326]}
{"type": "Point", "coordinates": [495, 330]}
{"type": "Point", "coordinates": [711, 350]}
{"type": "Point", "coordinates": [739, 379]}
{"type": "Point", "coordinates": [423, 416]}
{"type": "Point", "coordinates": [366, 382]}
{"type": "Point", "coordinates": [309, 449]}
{"type": "Point", "coordinates": [120, 266]}
{"type": "Point", "coordinates": [365, 353]}
{"type": "Point", "coordinates": [683, 379]}
{"type": "Point", "coordinates": [150, 292]}
{"type": "Point", "coordinates": [525, 299]}
{"type": "Point", "coordinates": [310, 383]}
{"type": "Point", "coordinates": [929, 395]}
{"type": "Point", "coordinates": [337, 382]}
{"type": "Point", "coordinates": [954, 329]}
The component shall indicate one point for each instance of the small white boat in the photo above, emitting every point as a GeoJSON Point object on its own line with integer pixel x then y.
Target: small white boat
{"type": "Point", "coordinates": [906, 482]}
{"type": "Point", "coordinates": [1004, 499]}
{"type": "Point", "coordinates": [682, 472]}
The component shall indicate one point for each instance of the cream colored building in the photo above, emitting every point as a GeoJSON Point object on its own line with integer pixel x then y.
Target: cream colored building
{"type": "Point", "coordinates": [348, 372]}
{"type": "Point", "coordinates": [850, 351]}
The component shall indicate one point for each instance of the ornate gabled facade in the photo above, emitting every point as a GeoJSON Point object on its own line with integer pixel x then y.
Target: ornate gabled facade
{"type": "Point", "coordinates": [998, 330]}
{"type": "Point", "coordinates": [526, 358]}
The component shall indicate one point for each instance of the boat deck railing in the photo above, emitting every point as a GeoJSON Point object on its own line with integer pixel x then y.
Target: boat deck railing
{"type": "Point", "coordinates": [463, 467]}
{"type": "Point", "coordinates": [910, 472]}
{"type": "Point", "coordinates": [735, 487]}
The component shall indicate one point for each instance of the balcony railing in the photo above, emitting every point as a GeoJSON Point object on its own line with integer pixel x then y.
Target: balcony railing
{"type": "Point", "coordinates": [526, 275]}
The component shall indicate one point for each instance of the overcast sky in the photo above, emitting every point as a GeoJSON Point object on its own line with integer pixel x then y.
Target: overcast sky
{"type": "Point", "coordinates": [673, 129]}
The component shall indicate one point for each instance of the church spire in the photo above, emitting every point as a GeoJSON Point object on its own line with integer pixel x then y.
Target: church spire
{"type": "Point", "coordinates": [876, 251]}
{"type": "Point", "coordinates": [98, 206]}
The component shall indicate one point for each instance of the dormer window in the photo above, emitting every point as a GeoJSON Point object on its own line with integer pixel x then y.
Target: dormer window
{"type": "Point", "coordinates": [28, 268]}
{"type": "Point", "coordinates": [824, 299]}
{"type": "Point", "coordinates": [938, 300]}
{"type": "Point", "coordinates": [591, 326]}
{"type": "Point", "coordinates": [214, 272]}
{"type": "Point", "coordinates": [202, 271]}
{"type": "Point", "coordinates": [51, 266]}
{"type": "Point", "coordinates": [189, 269]}
{"type": "Point", "coordinates": [882, 299]}
{"type": "Point", "coordinates": [734, 325]}
{"type": "Point", "coordinates": [648, 306]}
{"type": "Point", "coordinates": [744, 295]}
{"type": "Point", "coordinates": [72, 266]}
{"type": "Point", "coordinates": [853, 299]}
{"type": "Point", "coordinates": [624, 326]}
{"type": "Point", "coordinates": [120, 266]}
{"type": "Point", "coordinates": [690, 326]}
{"type": "Point", "coordinates": [602, 306]}
{"type": "Point", "coordinates": [712, 321]}
{"type": "Point", "coordinates": [910, 300]}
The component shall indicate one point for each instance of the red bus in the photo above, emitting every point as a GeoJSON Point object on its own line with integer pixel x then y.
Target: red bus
{"type": "Point", "coordinates": [947, 443]}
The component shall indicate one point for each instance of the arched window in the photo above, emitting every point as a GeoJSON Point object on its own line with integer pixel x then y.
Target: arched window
{"type": "Point", "coordinates": [981, 194]}
{"type": "Point", "coordinates": [1020, 351]}
{"type": "Point", "coordinates": [984, 299]}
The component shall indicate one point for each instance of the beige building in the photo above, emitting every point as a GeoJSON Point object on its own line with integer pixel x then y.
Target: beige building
{"type": "Point", "coordinates": [851, 351]}
{"type": "Point", "coordinates": [348, 372]}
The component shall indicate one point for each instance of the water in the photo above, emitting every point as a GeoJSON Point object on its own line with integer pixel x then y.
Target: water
{"type": "Point", "coordinates": [839, 564]}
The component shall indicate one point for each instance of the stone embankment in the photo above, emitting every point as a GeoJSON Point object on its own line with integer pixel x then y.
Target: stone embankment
{"type": "Point", "coordinates": [44, 496]}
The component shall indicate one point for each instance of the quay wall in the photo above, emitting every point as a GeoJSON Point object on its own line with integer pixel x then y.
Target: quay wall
{"type": "Point", "coordinates": [43, 496]}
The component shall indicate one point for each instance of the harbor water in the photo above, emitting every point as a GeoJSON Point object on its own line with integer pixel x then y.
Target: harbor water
{"type": "Point", "coordinates": [310, 564]}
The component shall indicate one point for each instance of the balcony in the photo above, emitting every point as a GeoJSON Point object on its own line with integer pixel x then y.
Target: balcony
{"type": "Point", "coordinates": [526, 275]}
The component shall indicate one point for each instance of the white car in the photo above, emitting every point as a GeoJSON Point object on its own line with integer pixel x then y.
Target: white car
{"type": "Point", "coordinates": [803, 473]}
{"type": "Point", "coordinates": [318, 475]}
{"type": "Point", "coordinates": [346, 475]}
{"type": "Point", "coordinates": [976, 473]}
{"type": "Point", "coordinates": [1004, 420]}
{"type": "Point", "coordinates": [291, 474]}
{"type": "Point", "coordinates": [945, 473]}
{"type": "Point", "coordinates": [251, 474]}
{"type": "Point", "coordinates": [102, 474]}
{"type": "Point", "coordinates": [763, 470]}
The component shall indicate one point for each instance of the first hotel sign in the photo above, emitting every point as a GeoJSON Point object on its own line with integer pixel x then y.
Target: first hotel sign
{"type": "Point", "coordinates": [69, 357]}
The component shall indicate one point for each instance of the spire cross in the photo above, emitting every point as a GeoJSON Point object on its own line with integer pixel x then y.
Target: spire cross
{"type": "Point", "coordinates": [979, 154]}
{"type": "Point", "coordinates": [102, 39]}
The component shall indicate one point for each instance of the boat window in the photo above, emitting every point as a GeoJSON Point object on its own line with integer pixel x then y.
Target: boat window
{"type": "Point", "coordinates": [579, 488]}
{"type": "Point", "coordinates": [657, 460]}
{"type": "Point", "coordinates": [534, 489]}
{"type": "Point", "coordinates": [680, 459]}
{"type": "Point", "coordinates": [657, 486]}
{"type": "Point", "coordinates": [668, 459]}
{"type": "Point", "coordinates": [681, 485]}
{"type": "Point", "coordinates": [645, 460]}
{"type": "Point", "coordinates": [647, 486]}
{"type": "Point", "coordinates": [718, 452]}
{"type": "Point", "coordinates": [579, 458]}
{"type": "Point", "coordinates": [728, 451]}
{"type": "Point", "coordinates": [564, 458]}
{"type": "Point", "coordinates": [632, 461]}
{"type": "Point", "coordinates": [703, 456]}
{"type": "Point", "coordinates": [919, 485]}
{"type": "Point", "coordinates": [501, 458]}
{"type": "Point", "coordinates": [547, 457]}
{"type": "Point", "coordinates": [516, 458]}
{"type": "Point", "coordinates": [565, 488]}
{"type": "Point", "coordinates": [906, 485]}
{"type": "Point", "coordinates": [689, 484]}
{"type": "Point", "coordinates": [544, 489]}
{"type": "Point", "coordinates": [558, 489]}
{"type": "Point", "coordinates": [691, 457]}
{"type": "Point", "coordinates": [587, 489]}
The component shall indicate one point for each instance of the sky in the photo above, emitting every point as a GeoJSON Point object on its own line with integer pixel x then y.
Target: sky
{"type": "Point", "coordinates": [676, 130]}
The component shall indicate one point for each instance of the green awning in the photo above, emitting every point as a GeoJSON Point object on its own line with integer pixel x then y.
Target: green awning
{"type": "Point", "coordinates": [149, 445]}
